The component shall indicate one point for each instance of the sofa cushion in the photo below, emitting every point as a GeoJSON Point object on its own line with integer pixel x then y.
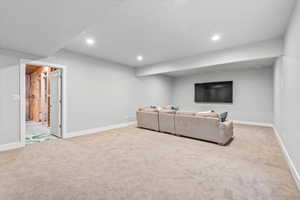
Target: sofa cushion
{"type": "Point", "coordinates": [167, 111]}
{"type": "Point", "coordinates": [170, 107]}
{"type": "Point", "coordinates": [186, 113]}
{"type": "Point", "coordinates": [207, 114]}
{"type": "Point", "coordinates": [149, 109]}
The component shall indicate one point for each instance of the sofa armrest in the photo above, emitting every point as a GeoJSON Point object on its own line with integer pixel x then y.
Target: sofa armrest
{"type": "Point", "coordinates": [226, 131]}
{"type": "Point", "coordinates": [148, 120]}
{"type": "Point", "coordinates": [226, 125]}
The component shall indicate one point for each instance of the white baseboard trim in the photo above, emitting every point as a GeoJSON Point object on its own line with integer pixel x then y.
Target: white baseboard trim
{"type": "Point", "coordinates": [96, 130]}
{"type": "Point", "coordinates": [253, 123]}
{"type": "Point", "coordinates": [290, 162]}
{"type": "Point", "coordinates": [10, 146]}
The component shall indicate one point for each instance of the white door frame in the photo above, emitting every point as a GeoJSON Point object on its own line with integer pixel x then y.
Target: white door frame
{"type": "Point", "coordinates": [63, 68]}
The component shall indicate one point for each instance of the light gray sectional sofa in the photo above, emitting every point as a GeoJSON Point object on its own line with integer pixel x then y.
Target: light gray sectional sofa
{"type": "Point", "coordinates": [202, 125]}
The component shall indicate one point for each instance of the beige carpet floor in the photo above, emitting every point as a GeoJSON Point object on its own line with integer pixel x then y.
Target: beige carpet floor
{"type": "Point", "coordinates": [136, 164]}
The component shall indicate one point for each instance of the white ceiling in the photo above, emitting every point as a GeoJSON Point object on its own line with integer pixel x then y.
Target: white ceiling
{"type": "Point", "coordinates": [252, 64]}
{"type": "Point", "coordinates": [42, 27]}
{"type": "Point", "coordinates": [163, 30]}
{"type": "Point", "coordinates": [160, 30]}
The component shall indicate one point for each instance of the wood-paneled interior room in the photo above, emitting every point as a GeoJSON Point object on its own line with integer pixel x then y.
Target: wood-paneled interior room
{"type": "Point", "coordinates": [38, 101]}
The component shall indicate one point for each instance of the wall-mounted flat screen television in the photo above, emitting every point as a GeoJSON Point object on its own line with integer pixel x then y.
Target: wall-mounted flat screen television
{"type": "Point", "coordinates": [214, 92]}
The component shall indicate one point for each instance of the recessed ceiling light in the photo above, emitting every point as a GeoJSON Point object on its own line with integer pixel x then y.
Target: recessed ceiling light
{"type": "Point", "coordinates": [90, 41]}
{"type": "Point", "coordinates": [139, 58]}
{"type": "Point", "coordinates": [215, 37]}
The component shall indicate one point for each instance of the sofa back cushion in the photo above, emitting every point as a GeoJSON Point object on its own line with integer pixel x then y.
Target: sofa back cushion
{"type": "Point", "coordinates": [167, 111]}
{"type": "Point", "coordinates": [170, 107]}
{"type": "Point", "coordinates": [149, 109]}
{"type": "Point", "coordinates": [186, 113]}
{"type": "Point", "coordinates": [207, 114]}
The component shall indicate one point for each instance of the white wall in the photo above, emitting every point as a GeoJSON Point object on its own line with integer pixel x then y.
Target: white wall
{"type": "Point", "coordinates": [10, 57]}
{"type": "Point", "coordinates": [9, 91]}
{"type": "Point", "coordinates": [287, 93]}
{"type": "Point", "coordinates": [100, 93]}
{"type": "Point", "coordinates": [252, 94]}
{"type": "Point", "coordinates": [9, 106]}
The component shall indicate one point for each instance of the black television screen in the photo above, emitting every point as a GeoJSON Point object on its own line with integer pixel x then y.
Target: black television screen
{"type": "Point", "coordinates": [214, 92]}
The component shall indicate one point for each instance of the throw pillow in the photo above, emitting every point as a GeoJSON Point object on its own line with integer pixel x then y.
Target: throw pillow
{"type": "Point", "coordinates": [223, 116]}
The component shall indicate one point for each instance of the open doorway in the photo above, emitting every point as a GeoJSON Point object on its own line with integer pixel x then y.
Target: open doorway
{"type": "Point", "coordinates": [43, 103]}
